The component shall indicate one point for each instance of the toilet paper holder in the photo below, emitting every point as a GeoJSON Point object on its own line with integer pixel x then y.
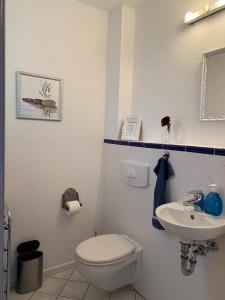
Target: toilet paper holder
{"type": "Point", "coordinates": [70, 195]}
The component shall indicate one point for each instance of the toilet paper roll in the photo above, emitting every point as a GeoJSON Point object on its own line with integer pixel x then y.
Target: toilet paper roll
{"type": "Point", "coordinates": [73, 207]}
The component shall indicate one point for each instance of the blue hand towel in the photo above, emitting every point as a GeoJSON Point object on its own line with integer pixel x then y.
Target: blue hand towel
{"type": "Point", "coordinates": [163, 170]}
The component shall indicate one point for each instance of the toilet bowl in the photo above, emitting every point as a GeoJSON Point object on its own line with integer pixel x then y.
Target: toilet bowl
{"type": "Point", "coordinates": [109, 261]}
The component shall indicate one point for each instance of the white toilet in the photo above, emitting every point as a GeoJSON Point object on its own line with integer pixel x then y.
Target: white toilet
{"type": "Point", "coordinates": [109, 261]}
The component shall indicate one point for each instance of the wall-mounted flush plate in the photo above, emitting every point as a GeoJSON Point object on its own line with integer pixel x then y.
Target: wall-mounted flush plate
{"type": "Point", "coordinates": [134, 174]}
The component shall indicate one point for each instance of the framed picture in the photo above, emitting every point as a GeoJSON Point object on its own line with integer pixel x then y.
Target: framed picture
{"type": "Point", "coordinates": [38, 97]}
{"type": "Point", "coordinates": [131, 129]}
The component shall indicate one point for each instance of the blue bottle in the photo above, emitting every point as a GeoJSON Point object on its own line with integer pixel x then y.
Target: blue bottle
{"type": "Point", "coordinates": [213, 204]}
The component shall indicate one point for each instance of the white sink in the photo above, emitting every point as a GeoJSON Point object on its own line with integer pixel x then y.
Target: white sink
{"type": "Point", "coordinates": [189, 224]}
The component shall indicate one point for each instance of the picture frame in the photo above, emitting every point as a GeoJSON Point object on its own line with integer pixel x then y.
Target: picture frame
{"type": "Point", "coordinates": [38, 97]}
{"type": "Point", "coordinates": [131, 129]}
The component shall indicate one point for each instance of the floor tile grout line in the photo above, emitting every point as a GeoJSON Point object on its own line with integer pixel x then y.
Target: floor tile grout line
{"type": "Point", "coordinates": [63, 287]}
{"type": "Point", "coordinates": [75, 270]}
{"type": "Point", "coordinates": [68, 280]}
{"type": "Point", "coordinates": [87, 290]}
{"type": "Point", "coordinates": [42, 293]}
{"type": "Point", "coordinates": [79, 281]}
{"type": "Point", "coordinates": [67, 298]}
{"type": "Point", "coordinates": [31, 296]}
{"type": "Point", "coordinates": [72, 274]}
{"type": "Point", "coordinates": [57, 278]}
{"type": "Point", "coordinates": [137, 293]}
{"type": "Point", "coordinates": [33, 293]}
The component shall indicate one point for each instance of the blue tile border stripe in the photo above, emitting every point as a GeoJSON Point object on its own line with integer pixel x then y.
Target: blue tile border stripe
{"type": "Point", "coordinates": [219, 151]}
{"type": "Point", "coordinates": [203, 150]}
{"type": "Point", "coordinates": [173, 147]}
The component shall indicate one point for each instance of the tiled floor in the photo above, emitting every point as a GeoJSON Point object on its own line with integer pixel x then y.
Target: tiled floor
{"type": "Point", "coordinates": [70, 285]}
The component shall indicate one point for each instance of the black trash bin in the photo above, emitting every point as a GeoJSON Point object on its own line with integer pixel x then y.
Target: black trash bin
{"type": "Point", "coordinates": [29, 267]}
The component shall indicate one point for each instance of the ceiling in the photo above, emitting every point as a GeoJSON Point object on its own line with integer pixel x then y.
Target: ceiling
{"type": "Point", "coordinates": [108, 5]}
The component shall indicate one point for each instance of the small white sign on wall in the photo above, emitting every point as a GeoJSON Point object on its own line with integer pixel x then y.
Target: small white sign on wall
{"type": "Point", "coordinates": [131, 129]}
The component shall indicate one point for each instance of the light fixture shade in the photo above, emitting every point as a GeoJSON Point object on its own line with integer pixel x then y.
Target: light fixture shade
{"type": "Point", "coordinates": [190, 16]}
{"type": "Point", "coordinates": [206, 11]}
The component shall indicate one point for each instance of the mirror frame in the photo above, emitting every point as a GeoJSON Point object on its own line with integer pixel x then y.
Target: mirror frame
{"type": "Point", "coordinates": [2, 140]}
{"type": "Point", "coordinates": [203, 86]}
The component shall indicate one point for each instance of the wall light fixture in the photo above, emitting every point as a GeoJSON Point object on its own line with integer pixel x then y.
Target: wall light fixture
{"type": "Point", "coordinates": [207, 10]}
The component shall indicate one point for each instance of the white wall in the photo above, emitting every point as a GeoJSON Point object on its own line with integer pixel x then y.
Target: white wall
{"type": "Point", "coordinates": [113, 73]}
{"type": "Point", "coordinates": [66, 39]}
{"type": "Point", "coordinates": [121, 36]}
{"type": "Point", "coordinates": [110, 5]}
{"type": "Point", "coordinates": [167, 70]}
{"type": "Point", "coordinates": [128, 210]}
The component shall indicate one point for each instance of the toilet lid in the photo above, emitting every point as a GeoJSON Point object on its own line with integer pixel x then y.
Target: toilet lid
{"type": "Point", "coordinates": [105, 248]}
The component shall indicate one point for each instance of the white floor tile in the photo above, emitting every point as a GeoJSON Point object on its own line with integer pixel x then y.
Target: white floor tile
{"type": "Point", "coordinates": [122, 295]}
{"type": "Point", "coordinates": [76, 276]}
{"type": "Point", "coordinates": [128, 288]}
{"type": "Point", "coordinates": [52, 286]}
{"type": "Point", "coordinates": [139, 297]}
{"type": "Point", "coordinates": [74, 290]}
{"type": "Point", "coordinates": [14, 296]}
{"type": "Point", "coordinates": [66, 298]}
{"type": "Point", "coordinates": [62, 275]}
{"type": "Point", "coordinates": [43, 296]}
{"type": "Point", "coordinates": [94, 293]}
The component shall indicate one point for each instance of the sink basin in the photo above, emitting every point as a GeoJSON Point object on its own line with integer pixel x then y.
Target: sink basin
{"type": "Point", "coordinates": [189, 224]}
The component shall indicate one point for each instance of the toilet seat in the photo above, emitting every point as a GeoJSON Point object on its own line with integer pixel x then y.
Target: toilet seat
{"type": "Point", "coordinates": [105, 249]}
{"type": "Point", "coordinates": [109, 261]}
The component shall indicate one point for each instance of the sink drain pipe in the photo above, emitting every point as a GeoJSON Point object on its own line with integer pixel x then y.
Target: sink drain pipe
{"type": "Point", "coordinates": [190, 252]}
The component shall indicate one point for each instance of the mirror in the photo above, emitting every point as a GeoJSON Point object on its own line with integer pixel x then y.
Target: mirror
{"type": "Point", "coordinates": [213, 86]}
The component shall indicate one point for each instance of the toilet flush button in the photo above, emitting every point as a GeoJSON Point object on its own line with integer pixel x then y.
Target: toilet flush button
{"type": "Point", "coordinates": [134, 174]}
{"type": "Point", "coordinates": [131, 173]}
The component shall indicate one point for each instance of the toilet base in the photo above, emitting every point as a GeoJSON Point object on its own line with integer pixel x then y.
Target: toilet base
{"type": "Point", "coordinates": [119, 279]}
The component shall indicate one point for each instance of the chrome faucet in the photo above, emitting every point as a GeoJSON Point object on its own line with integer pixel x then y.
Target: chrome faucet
{"type": "Point", "coordinates": [195, 201]}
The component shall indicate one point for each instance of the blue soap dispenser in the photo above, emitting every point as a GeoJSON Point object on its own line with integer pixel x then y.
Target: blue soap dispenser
{"type": "Point", "coordinates": [213, 204]}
